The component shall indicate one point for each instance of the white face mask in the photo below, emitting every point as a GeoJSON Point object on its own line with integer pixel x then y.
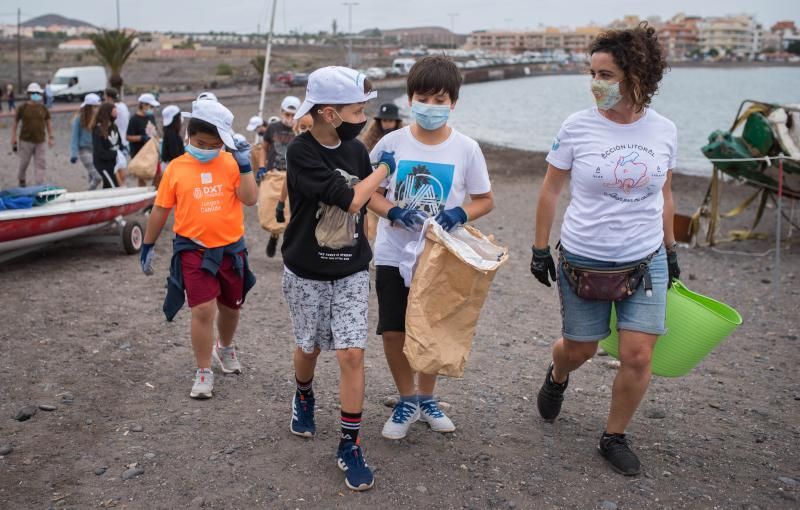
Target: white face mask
{"type": "Point", "coordinates": [606, 94]}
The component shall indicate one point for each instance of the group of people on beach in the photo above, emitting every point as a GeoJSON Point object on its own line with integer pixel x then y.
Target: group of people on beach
{"type": "Point", "coordinates": [616, 242]}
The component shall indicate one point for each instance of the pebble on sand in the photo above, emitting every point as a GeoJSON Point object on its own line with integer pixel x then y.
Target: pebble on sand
{"type": "Point", "coordinates": [608, 505]}
{"type": "Point", "coordinates": [422, 489]}
{"type": "Point", "coordinates": [26, 413]}
{"type": "Point", "coordinates": [6, 449]}
{"type": "Point", "coordinates": [655, 414]}
{"type": "Point", "coordinates": [100, 471]}
{"type": "Point", "coordinates": [132, 473]}
{"type": "Point", "coordinates": [47, 407]}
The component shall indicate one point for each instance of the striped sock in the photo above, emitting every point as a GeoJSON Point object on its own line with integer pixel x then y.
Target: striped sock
{"type": "Point", "coordinates": [305, 388]}
{"type": "Point", "coordinates": [351, 425]}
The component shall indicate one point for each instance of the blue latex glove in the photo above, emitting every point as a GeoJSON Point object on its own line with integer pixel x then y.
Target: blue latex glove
{"type": "Point", "coordinates": [451, 218]}
{"type": "Point", "coordinates": [73, 159]}
{"type": "Point", "coordinates": [260, 174]}
{"type": "Point", "coordinates": [409, 219]}
{"type": "Point", "coordinates": [242, 154]}
{"type": "Point", "coordinates": [146, 258]}
{"type": "Point", "coordinates": [145, 137]}
{"type": "Point", "coordinates": [387, 158]}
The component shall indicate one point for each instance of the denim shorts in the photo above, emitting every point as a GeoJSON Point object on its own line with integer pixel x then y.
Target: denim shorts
{"type": "Point", "coordinates": [585, 320]}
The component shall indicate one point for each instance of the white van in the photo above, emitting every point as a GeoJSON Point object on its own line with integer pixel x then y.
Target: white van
{"type": "Point", "coordinates": [71, 83]}
{"type": "Point", "coordinates": [402, 66]}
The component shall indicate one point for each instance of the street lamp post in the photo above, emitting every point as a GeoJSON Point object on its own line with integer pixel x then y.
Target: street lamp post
{"type": "Point", "coordinates": [350, 6]}
{"type": "Point", "coordinates": [453, 27]}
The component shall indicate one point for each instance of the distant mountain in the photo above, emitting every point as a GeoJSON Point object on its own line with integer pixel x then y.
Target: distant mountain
{"type": "Point", "coordinates": [56, 19]}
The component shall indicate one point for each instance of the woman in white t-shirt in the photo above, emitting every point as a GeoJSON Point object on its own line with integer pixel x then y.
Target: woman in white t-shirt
{"type": "Point", "coordinates": [618, 158]}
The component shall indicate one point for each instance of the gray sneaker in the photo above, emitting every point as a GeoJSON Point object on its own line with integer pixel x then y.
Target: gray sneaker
{"type": "Point", "coordinates": [203, 384]}
{"type": "Point", "coordinates": [227, 359]}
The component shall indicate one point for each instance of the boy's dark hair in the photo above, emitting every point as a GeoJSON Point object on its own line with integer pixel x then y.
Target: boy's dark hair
{"type": "Point", "coordinates": [200, 126]}
{"type": "Point", "coordinates": [432, 75]}
{"type": "Point", "coordinates": [112, 93]}
{"type": "Point", "coordinates": [338, 107]}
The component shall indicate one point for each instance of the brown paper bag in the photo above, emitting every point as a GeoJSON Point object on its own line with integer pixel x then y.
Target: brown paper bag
{"type": "Point", "coordinates": [446, 297]}
{"type": "Point", "coordinates": [254, 156]}
{"type": "Point", "coordinates": [372, 225]}
{"type": "Point", "coordinates": [269, 193]}
{"type": "Point", "coordinates": [145, 163]}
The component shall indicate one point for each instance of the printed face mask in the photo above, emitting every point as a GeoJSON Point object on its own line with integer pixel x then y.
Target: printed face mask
{"type": "Point", "coordinates": [348, 130]}
{"type": "Point", "coordinates": [606, 94]}
{"type": "Point", "coordinates": [430, 117]}
{"type": "Point", "coordinates": [202, 155]}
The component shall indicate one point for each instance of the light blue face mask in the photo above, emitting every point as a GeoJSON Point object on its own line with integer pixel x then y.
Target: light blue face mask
{"type": "Point", "coordinates": [36, 97]}
{"type": "Point", "coordinates": [202, 155]}
{"type": "Point", "coordinates": [430, 117]}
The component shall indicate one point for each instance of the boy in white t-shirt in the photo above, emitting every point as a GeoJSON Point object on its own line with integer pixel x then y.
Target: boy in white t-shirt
{"type": "Point", "coordinates": [437, 168]}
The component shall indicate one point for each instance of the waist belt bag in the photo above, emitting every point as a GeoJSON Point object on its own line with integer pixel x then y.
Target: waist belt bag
{"type": "Point", "coordinates": [613, 284]}
{"type": "Point", "coordinates": [336, 229]}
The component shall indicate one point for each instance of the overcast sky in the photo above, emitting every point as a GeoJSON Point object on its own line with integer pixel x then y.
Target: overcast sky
{"type": "Point", "coordinates": [315, 15]}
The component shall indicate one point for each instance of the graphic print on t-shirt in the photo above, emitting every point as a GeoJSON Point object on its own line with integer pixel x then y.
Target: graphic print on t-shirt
{"type": "Point", "coordinates": [423, 186]}
{"type": "Point", "coordinates": [629, 173]}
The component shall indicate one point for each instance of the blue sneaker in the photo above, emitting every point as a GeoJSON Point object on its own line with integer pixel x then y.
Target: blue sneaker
{"type": "Point", "coordinates": [357, 474]}
{"type": "Point", "coordinates": [302, 416]}
{"type": "Point", "coordinates": [404, 414]}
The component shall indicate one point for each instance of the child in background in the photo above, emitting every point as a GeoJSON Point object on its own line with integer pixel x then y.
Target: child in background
{"type": "Point", "coordinates": [207, 187]}
{"type": "Point", "coordinates": [327, 289]}
{"type": "Point", "coordinates": [81, 144]}
{"type": "Point", "coordinates": [172, 143]}
{"type": "Point", "coordinates": [106, 142]}
{"type": "Point", "coordinates": [437, 167]}
{"type": "Point", "coordinates": [387, 120]}
{"type": "Point", "coordinates": [277, 137]}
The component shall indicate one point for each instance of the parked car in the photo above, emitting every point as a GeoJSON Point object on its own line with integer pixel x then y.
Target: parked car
{"type": "Point", "coordinates": [71, 83]}
{"type": "Point", "coordinates": [299, 80]}
{"type": "Point", "coordinates": [284, 78]}
{"type": "Point", "coordinates": [403, 65]}
{"type": "Point", "coordinates": [375, 73]}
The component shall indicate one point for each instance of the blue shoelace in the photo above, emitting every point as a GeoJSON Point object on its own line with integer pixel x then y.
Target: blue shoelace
{"type": "Point", "coordinates": [431, 408]}
{"type": "Point", "coordinates": [402, 412]}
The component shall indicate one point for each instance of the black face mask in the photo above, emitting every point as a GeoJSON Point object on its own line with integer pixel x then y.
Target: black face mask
{"type": "Point", "coordinates": [348, 131]}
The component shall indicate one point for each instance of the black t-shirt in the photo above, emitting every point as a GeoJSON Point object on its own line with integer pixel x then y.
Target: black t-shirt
{"type": "Point", "coordinates": [171, 145]}
{"type": "Point", "coordinates": [312, 178]}
{"type": "Point", "coordinates": [137, 126]}
{"type": "Point", "coordinates": [279, 136]}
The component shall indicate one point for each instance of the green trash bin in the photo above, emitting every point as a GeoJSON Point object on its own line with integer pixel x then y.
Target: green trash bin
{"type": "Point", "coordinates": [696, 324]}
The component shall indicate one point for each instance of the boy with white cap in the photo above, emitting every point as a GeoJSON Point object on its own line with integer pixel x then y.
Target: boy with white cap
{"type": "Point", "coordinates": [207, 187]}
{"type": "Point", "coordinates": [172, 142]}
{"type": "Point", "coordinates": [35, 120]}
{"type": "Point", "coordinates": [277, 137]}
{"type": "Point", "coordinates": [327, 288]}
{"type": "Point", "coordinates": [142, 126]}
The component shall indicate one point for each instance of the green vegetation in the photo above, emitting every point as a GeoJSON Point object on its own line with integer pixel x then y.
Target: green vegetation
{"type": "Point", "coordinates": [113, 48]}
{"type": "Point", "coordinates": [224, 69]}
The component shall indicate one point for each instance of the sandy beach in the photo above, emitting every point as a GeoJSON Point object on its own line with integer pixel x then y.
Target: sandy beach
{"type": "Point", "coordinates": [84, 332]}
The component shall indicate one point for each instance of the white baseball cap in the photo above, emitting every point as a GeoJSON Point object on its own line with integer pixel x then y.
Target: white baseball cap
{"type": "Point", "coordinates": [149, 99]}
{"type": "Point", "coordinates": [334, 85]}
{"type": "Point", "coordinates": [217, 115]}
{"type": "Point", "coordinates": [207, 96]}
{"type": "Point", "coordinates": [168, 114]}
{"type": "Point", "coordinates": [290, 104]}
{"type": "Point", "coordinates": [91, 100]}
{"type": "Point", "coordinates": [255, 123]}
{"type": "Point", "coordinates": [34, 88]}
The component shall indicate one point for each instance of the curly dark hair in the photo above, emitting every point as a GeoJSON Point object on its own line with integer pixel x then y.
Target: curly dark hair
{"type": "Point", "coordinates": [638, 53]}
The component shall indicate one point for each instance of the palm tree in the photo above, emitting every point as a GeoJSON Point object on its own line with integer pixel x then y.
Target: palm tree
{"type": "Point", "coordinates": [113, 48]}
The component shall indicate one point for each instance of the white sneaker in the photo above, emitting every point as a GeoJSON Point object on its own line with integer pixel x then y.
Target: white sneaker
{"type": "Point", "coordinates": [203, 384]}
{"type": "Point", "coordinates": [438, 421]}
{"type": "Point", "coordinates": [403, 415]}
{"type": "Point", "coordinates": [227, 359]}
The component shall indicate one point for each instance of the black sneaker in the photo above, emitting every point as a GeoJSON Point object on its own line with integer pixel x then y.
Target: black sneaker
{"type": "Point", "coordinates": [617, 451]}
{"type": "Point", "coordinates": [551, 395]}
{"type": "Point", "coordinates": [272, 245]}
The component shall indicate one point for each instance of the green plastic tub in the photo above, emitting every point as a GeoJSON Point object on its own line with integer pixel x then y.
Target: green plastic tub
{"type": "Point", "coordinates": [696, 324]}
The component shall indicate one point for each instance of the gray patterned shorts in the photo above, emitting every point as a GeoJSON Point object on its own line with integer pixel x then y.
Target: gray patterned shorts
{"type": "Point", "coordinates": [328, 314]}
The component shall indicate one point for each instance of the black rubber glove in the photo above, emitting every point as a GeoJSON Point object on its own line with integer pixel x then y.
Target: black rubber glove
{"type": "Point", "coordinates": [279, 216]}
{"type": "Point", "coordinates": [672, 266]}
{"type": "Point", "coordinates": [542, 265]}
